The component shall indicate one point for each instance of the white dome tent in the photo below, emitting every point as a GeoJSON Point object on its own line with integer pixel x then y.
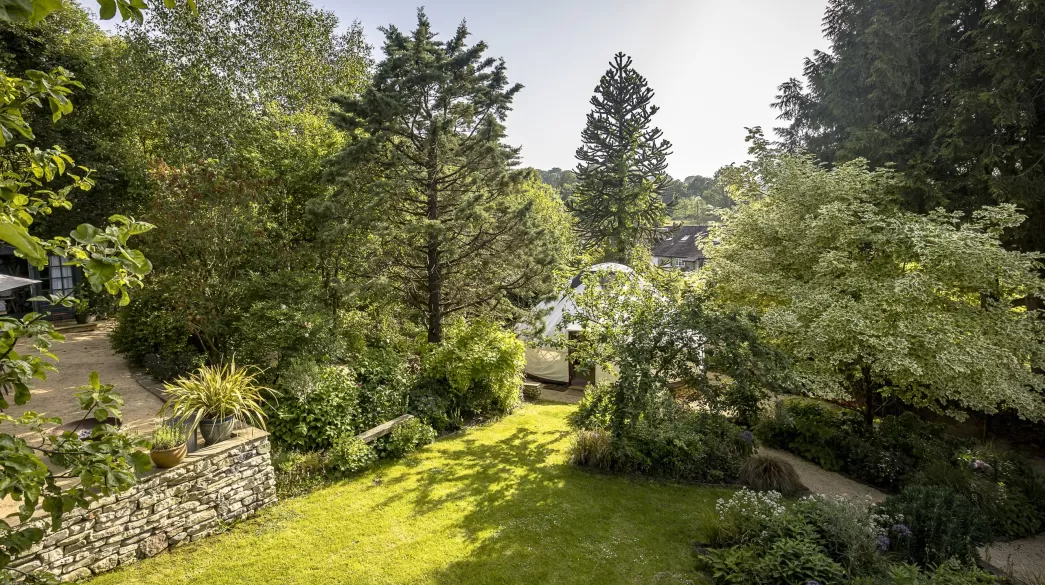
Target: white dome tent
{"type": "Point", "coordinates": [545, 363]}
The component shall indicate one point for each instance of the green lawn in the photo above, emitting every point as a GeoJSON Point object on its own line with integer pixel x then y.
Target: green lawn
{"type": "Point", "coordinates": [497, 504]}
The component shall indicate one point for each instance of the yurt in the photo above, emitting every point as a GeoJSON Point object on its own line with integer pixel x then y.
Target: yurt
{"type": "Point", "coordinates": [552, 364]}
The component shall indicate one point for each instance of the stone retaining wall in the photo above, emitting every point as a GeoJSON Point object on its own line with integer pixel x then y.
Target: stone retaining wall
{"type": "Point", "coordinates": [211, 488]}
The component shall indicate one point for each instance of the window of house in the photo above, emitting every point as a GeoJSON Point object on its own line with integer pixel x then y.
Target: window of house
{"type": "Point", "coordinates": [59, 278]}
{"type": "Point", "coordinates": [679, 262]}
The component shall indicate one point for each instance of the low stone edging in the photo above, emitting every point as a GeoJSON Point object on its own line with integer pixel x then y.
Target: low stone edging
{"type": "Point", "coordinates": [168, 507]}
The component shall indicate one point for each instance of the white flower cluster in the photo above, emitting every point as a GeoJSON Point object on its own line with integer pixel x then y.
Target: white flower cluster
{"type": "Point", "coordinates": [862, 511]}
{"type": "Point", "coordinates": [759, 505]}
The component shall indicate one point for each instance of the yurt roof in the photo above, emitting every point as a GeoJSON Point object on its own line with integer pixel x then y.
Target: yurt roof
{"type": "Point", "coordinates": [564, 305]}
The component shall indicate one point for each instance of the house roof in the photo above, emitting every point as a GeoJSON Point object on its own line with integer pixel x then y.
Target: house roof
{"type": "Point", "coordinates": [682, 243]}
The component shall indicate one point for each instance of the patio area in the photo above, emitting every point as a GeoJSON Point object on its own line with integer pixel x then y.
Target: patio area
{"type": "Point", "coordinates": [81, 353]}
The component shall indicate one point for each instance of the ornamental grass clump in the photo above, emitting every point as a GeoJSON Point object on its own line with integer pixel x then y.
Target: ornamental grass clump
{"type": "Point", "coordinates": [217, 393]}
{"type": "Point", "coordinates": [592, 449]}
{"type": "Point", "coordinates": [766, 473]}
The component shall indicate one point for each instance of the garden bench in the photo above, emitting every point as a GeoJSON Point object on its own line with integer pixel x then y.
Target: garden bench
{"type": "Point", "coordinates": [383, 429]}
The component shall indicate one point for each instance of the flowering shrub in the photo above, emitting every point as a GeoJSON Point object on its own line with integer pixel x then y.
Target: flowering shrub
{"type": "Point", "coordinates": [749, 516]}
{"type": "Point", "coordinates": [850, 530]}
{"type": "Point", "coordinates": [938, 524]}
{"type": "Point", "coordinates": [767, 543]}
{"type": "Point", "coordinates": [825, 540]}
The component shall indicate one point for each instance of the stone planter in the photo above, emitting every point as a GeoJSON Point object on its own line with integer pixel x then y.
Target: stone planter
{"type": "Point", "coordinates": [166, 458]}
{"type": "Point", "coordinates": [216, 430]}
{"type": "Point", "coordinates": [85, 319]}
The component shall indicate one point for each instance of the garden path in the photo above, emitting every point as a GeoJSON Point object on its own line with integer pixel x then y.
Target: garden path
{"type": "Point", "coordinates": [1023, 559]}
{"type": "Point", "coordinates": [78, 355]}
{"type": "Point", "coordinates": [820, 481]}
{"type": "Point", "coordinates": [559, 393]}
{"type": "Point", "coordinates": [81, 353]}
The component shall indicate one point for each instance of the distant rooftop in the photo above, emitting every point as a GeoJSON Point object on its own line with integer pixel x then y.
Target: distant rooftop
{"type": "Point", "coordinates": [682, 243]}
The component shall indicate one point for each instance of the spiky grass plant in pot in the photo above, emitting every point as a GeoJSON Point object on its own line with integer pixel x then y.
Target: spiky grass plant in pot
{"type": "Point", "coordinates": [215, 397]}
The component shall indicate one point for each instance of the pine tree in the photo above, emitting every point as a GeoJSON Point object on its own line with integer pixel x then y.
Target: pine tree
{"type": "Point", "coordinates": [622, 167]}
{"type": "Point", "coordinates": [947, 91]}
{"type": "Point", "coordinates": [428, 173]}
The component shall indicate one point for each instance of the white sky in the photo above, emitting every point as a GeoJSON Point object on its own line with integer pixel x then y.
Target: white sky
{"type": "Point", "coordinates": [714, 64]}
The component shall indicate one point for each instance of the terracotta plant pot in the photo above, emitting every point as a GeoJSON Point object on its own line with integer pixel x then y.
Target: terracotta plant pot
{"type": "Point", "coordinates": [166, 458]}
{"type": "Point", "coordinates": [216, 430]}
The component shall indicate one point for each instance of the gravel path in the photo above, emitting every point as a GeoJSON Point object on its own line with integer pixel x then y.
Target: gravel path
{"type": "Point", "coordinates": [81, 353]}
{"type": "Point", "coordinates": [561, 394]}
{"type": "Point", "coordinates": [78, 355]}
{"type": "Point", "coordinates": [1023, 559]}
{"type": "Point", "coordinates": [819, 481]}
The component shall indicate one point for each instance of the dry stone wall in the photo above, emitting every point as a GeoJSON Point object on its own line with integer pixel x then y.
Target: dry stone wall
{"type": "Point", "coordinates": [210, 489]}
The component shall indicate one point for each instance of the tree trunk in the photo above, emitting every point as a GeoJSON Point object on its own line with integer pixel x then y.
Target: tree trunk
{"type": "Point", "coordinates": [435, 273]}
{"type": "Point", "coordinates": [435, 293]}
{"type": "Point", "coordinates": [868, 396]}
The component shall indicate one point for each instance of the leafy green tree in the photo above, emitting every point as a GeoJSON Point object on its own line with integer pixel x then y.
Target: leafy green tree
{"type": "Point", "coordinates": [947, 90]}
{"type": "Point", "coordinates": [428, 153]}
{"type": "Point", "coordinates": [693, 211]}
{"type": "Point", "coordinates": [622, 167]}
{"type": "Point", "coordinates": [34, 183]}
{"type": "Point", "coordinates": [231, 117]}
{"type": "Point", "coordinates": [204, 86]}
{"type": "Point", "coordinates": [710, 189]}
{"type": "Point", "coordinates": [97, 134]}
{"type": "Point", "coordinates": [562, 180]}
{"type": "Point", "coordinates": [35, 11]}
{"type": "Point", "coordinates": [869, 299]}
{"type": "Point", "coordinates": [659, 335]}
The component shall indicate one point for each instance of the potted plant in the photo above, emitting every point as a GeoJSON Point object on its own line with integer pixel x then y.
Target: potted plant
{"type": "Point", "coordinates": [82, 311]}
{"type": "Point", "coordinates": [215, 397]}
{"type": "Point", "coordinates": [169, 445]}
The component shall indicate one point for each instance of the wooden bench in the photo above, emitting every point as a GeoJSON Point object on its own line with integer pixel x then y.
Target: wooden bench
{"type": "Point", "coordinates": [383, 429]}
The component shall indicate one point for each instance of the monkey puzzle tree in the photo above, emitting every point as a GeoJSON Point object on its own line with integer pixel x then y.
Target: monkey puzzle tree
{"type": "Point", "coordinates": [622, 167]}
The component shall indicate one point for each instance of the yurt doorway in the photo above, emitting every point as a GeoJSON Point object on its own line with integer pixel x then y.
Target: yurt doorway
{"type": "Point", "coordinates": [579, 376]}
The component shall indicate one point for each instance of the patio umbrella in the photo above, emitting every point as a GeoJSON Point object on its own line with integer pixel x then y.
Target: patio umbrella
{"type": "Point", "coordinates": [8, 282]}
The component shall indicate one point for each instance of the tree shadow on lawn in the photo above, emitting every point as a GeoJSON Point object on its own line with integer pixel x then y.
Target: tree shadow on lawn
{"type": "Point", "coordinates": [530, 517]}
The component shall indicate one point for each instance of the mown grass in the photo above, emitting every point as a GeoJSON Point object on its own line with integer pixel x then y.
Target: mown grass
{"type": "Point", "coordinates": [493, 505]}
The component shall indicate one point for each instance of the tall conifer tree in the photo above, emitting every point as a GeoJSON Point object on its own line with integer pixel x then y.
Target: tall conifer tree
{"type": "Point", "coordinates": [429, 174]}
{"type": "Point", "coordinates": [622, 167]}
